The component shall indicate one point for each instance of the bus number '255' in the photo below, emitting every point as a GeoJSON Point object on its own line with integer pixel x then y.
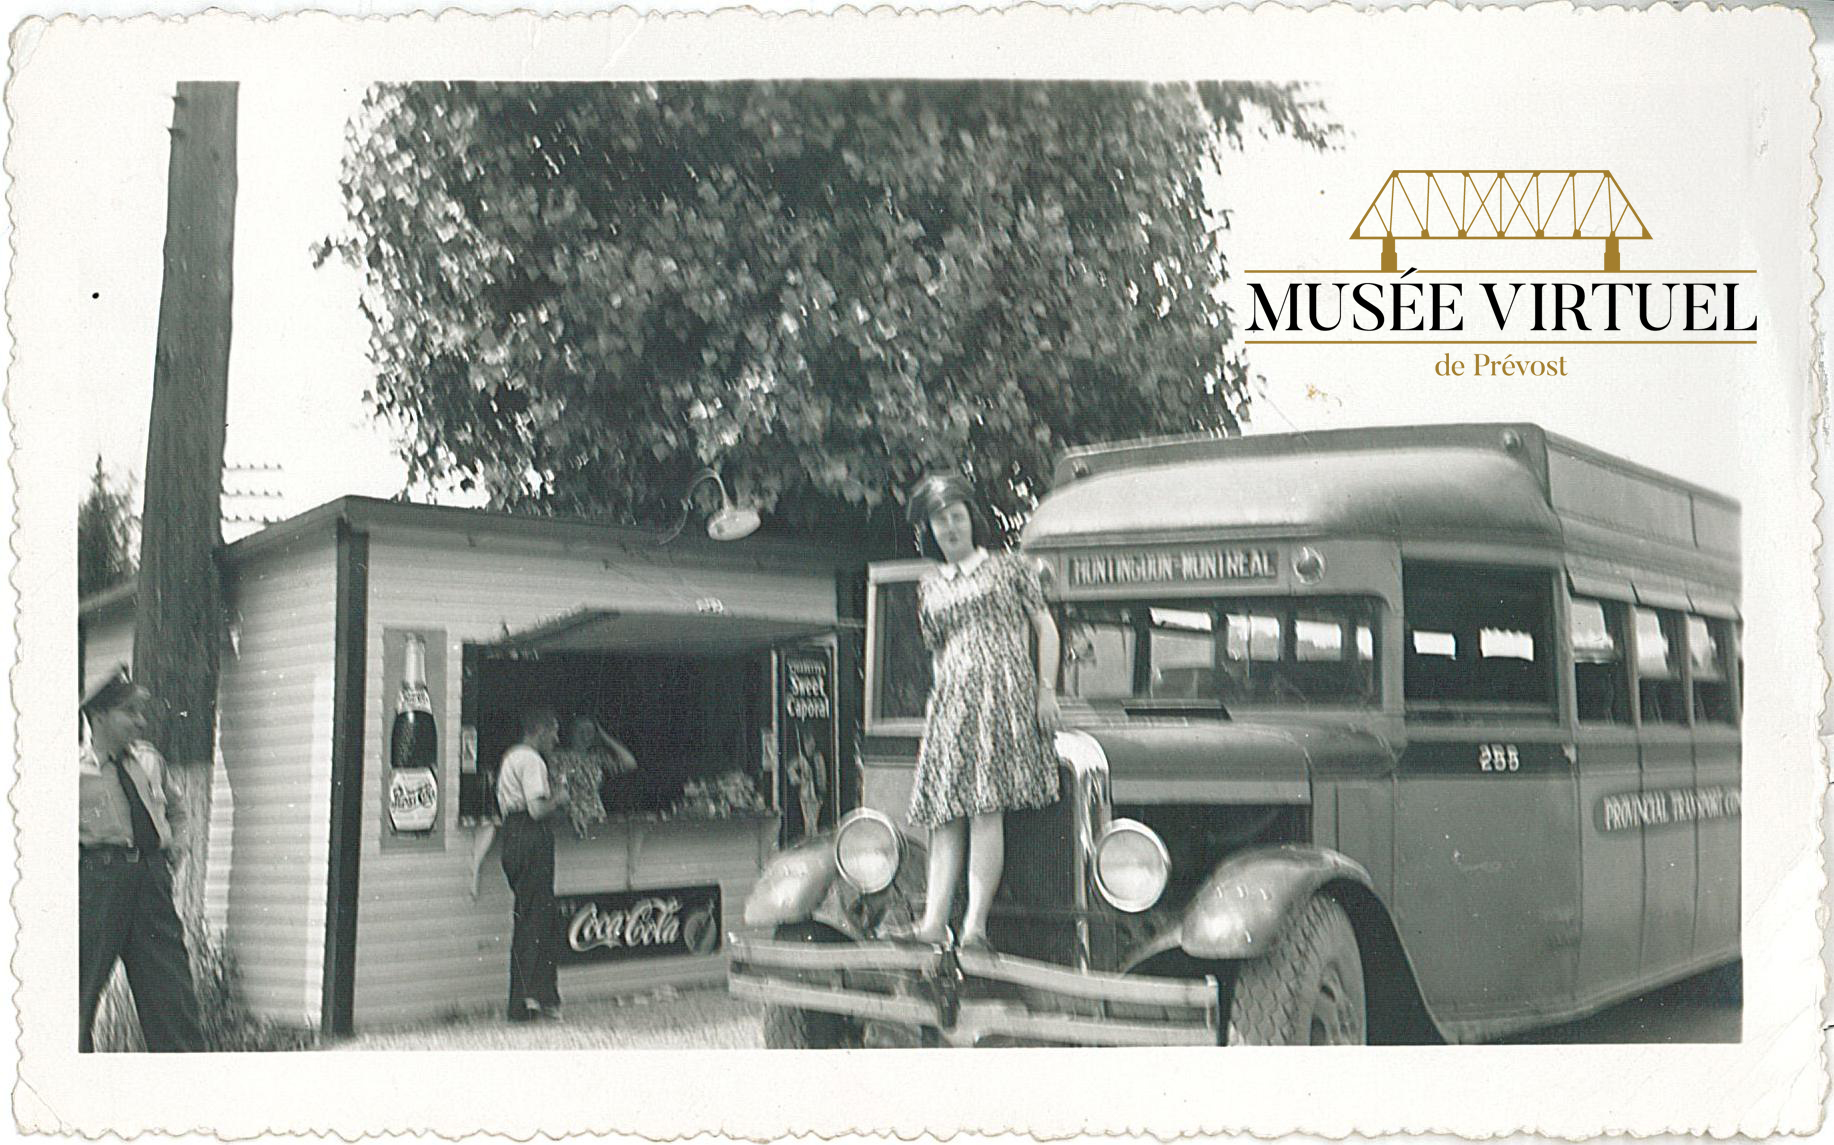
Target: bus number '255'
{"type": "Point", "coordinates": [1498, 757]}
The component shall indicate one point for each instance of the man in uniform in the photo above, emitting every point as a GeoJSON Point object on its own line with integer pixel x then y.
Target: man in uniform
{"type": "Point", "coordinates": [528, 801]}
{"type": "Point", "coordinates": [129, 820]}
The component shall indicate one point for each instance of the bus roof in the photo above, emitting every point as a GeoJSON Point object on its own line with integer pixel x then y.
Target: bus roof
{"type": "Point", "coordinates": [1488, 482]}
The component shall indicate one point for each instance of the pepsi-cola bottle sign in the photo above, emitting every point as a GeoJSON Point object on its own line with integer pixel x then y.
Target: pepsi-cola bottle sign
{"type": "Point", "coordinates": [413, 777]}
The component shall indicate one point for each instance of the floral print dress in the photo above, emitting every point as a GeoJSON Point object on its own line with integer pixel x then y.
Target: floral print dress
{"type": "Point", "coordinates": [580, 773]}
{"type": "Point", "coordinates": [983, 749]}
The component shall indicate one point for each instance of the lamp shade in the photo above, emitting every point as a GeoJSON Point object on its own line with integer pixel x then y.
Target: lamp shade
{"type": "Point", "coordinates": [732, 522]}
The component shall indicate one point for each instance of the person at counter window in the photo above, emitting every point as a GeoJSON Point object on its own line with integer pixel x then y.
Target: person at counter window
{"type": "Point", "coordinates": [987, 730]}
{"type": "Point", "coordinates": [587, 766]}
{"type": "Point", "coordinates": [529, 803]}
{"type": "Point", "coordinates": [129, 817]}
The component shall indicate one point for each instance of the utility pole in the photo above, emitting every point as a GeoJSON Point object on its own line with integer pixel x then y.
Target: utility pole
{"type": "Point", "coordinates": [178, 631]}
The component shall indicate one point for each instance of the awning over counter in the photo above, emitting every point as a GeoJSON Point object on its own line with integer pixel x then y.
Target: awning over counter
{"type": "Point", "coordinates": [710, 633]}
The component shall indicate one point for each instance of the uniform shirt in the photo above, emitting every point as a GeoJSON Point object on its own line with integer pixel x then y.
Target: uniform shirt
{"type": "Point", "coordinates": [103, 818]}
{"type": "Point", "coordinates": [523, 776]}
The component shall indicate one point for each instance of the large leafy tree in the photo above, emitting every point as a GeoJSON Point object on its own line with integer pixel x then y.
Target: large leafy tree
{"type": "Point", "coordinates": [581, 294]}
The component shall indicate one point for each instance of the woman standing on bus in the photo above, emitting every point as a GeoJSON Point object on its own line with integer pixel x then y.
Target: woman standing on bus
{"type": "Point", "coordinates": [987, 731]}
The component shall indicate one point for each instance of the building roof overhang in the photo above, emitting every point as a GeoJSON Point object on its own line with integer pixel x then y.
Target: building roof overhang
{"type": "Point", "coordinates": [627, 632]}
{"type": "Point", "coordinates": [379, 518]}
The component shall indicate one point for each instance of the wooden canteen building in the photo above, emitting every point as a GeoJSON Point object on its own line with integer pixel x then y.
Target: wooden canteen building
{"type": "Point", "coordinates": [353, 891]}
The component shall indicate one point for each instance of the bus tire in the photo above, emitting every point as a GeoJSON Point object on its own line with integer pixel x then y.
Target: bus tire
{"type": "Point", "coordinates": [1308, 990]}
{"type": "Point", "coordinates": [790, 1029]}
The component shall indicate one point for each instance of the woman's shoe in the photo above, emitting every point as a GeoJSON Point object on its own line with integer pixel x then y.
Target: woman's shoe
{"type": "Point", "coordinates": [977, 944]}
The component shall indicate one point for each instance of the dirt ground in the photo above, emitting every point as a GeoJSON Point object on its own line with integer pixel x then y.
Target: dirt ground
{"type": "Point", "coordinates": [699, 1019]}
{"type": "Point", "coordinates": [709, 1018]}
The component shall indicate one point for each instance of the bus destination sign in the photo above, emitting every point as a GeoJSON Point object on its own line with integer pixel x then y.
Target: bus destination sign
{"type": "Point", "coordinates": [1174, 566]}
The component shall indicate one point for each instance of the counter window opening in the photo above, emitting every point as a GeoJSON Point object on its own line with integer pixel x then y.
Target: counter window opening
{"type": "Point", "coordinates": [1479, 642]}
{"type": "Point", "coordinates": [695, 726]}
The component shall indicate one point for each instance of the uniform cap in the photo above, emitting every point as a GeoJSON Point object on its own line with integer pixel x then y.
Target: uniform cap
{"type": "Point", "coordinates": [112, 691]}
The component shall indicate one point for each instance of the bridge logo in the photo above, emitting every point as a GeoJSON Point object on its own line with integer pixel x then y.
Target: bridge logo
{"type": "Point", "coordinates": [1501, 206]}
{"type": "Point", "coordinates": [1548, 306]}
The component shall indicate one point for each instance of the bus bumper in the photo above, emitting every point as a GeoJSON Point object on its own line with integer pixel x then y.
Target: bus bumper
{"type": "Point", "coordinates": [916, 995]}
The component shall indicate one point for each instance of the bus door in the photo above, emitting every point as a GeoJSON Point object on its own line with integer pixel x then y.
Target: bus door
{"type": "Point", "coordinates": [1665, 744]}
{"type": "Point", "coordinates": [1610, 784]}
{"type": "Point", "coordinates": [1486, 831]}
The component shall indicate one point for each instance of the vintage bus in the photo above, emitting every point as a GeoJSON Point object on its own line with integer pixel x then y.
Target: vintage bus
{"type": "Point", "coordinates": [1386, 735]}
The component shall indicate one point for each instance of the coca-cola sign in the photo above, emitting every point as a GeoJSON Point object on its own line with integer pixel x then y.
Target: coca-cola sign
{"type": "Point", "coordinates": [669, 922]}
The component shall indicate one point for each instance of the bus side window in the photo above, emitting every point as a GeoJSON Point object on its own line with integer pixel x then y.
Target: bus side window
{"type": "Point", "coordinates": [1099, 656]}
{"type": "Point", "coordinates": [1477, 641]}
{"type": "Point", "coordinates": [1660, 695]}
{"type": "Point", "coordinates": [1599, 678]}
{"type": "Point", "coordinates": [1713, 703]}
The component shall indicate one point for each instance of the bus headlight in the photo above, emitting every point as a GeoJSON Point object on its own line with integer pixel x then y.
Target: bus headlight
{"type": "Point", "coordinates": [1131, 865]}
{"type": "Point", "coordinates": [867, 850]}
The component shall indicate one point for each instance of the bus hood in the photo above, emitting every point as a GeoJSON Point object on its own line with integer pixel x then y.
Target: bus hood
{"type": "Point", "coordinates": [1198, 761]}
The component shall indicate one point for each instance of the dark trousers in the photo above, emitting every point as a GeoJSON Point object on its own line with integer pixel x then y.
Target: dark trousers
{"type": "Point", "coordinates": [125, 912]}
{"type": "Point", "coordinates": [528, 864]}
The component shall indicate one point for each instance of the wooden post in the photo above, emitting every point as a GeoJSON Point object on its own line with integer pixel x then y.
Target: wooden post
{"type": "Point", "coordinates": [179, 627]}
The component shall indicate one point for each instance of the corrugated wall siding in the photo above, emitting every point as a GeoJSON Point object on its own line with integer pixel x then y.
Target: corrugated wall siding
{"type": "Point", "coordinates": [425, 946]}
{"type": "Point", "coordinates": [219, 846]}
{"type": "Point", "coordinates": [271, 814]}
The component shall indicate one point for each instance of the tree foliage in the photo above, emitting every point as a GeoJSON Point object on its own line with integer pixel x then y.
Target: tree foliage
{"type": "Point", "coordinates": [581, 294]}
{"type": "Point", "coordinates": [107, 533]}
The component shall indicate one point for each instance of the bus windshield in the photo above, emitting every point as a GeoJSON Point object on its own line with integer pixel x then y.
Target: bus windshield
{"type": "Point", "coordinates": [1286, 651]}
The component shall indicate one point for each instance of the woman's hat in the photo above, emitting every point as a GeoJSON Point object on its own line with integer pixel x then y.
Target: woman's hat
{"type": "Point", "coordinates": [115, 689]}
{"type": "Point", "coordinates": [934, 493]}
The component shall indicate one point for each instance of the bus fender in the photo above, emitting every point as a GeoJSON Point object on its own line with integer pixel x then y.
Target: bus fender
{"type": "Point", "coordinates": [793, 884]}
{"type": "Point", "coordinates": [1245, 905]}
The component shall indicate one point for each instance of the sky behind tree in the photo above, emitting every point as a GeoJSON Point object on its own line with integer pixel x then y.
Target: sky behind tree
{"type": "Point", "coordinates": [299, 368]}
